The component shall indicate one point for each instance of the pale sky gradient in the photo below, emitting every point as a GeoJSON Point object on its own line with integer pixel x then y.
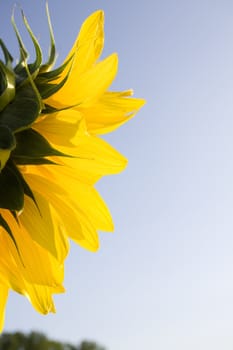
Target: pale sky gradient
{"type": "Point", "coordinates": [164, 279]}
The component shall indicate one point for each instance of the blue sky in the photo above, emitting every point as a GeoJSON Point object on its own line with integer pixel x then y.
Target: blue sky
{"type": "Point", "coordinates": [164, 279]}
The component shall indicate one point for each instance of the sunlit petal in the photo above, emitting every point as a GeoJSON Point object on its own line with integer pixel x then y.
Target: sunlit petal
{"type": "Point", "coordinates": [51, 158]}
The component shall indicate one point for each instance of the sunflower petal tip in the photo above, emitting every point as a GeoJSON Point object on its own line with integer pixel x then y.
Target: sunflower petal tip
{"type": "Point", "coordinates": [53, 310]}
{"type": "Point", "coordinates": [100, 14]}
{"type": "Point", "coordinates": [96, 17]}
{"type": "Point", "coordinates": [114, 56]}
{"type": "Point", "coordinates": [129, 92]}
{"type": "Point", "coordinates": [142, 102]}
{"type": "Point", "coordinates": [95, 246]}
{"type": "Point", "coordinates": [125, 162]}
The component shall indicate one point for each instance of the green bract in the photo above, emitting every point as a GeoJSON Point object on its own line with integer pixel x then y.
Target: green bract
{"type": "Point", "coordinates": [22, 90]}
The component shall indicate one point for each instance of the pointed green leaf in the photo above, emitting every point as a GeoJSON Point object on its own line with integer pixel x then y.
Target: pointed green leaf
{"type": "Point", "coordinates": [15, 216]}
{"type": "Point", "coordinates": [7, 86]}
{"type": "Point", "coordinates": [20, 67]}
{"type": "Point", "coordinates": [7, 144]}
{"type": "Point", "coordinates": [31, 144]}
{"type": "Point", "coordinates": [23, 110]}
{"type": "Point", "coordinates": [6, 227]}
{"type": "Point", "coordinates": [34, 87]}
{"type": "Point", "coordinates": [52, 54]}
{"type": "Point", "coordinates": [33, 67]}
{"type": "Point", "coordinates": [11, 190]}
{"type": "Point", "coordinates": [47, 90]}
{"type": "Point", "coordinates": [54, 74]}
{"type": "Point", "coordinates": [26, 187]}
{"type": "Point", "coordinates": [49, 109]}
{"type": "Point", "coordinates": [32, 161]}
{"type": "Point", "coordinates": [7, 138]}
{"type": "Point", "coordinates": [7, 55]}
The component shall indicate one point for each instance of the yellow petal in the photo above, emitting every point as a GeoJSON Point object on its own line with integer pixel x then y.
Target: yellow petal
{"type": "Point", "coordinates": [91, 239]}
{"type": "Point", "coordinates": [40, 224]}
{"type": "Point", "coordinates": [89, 87]}
{"type": "Point", "coordinates": [96, 156]}
{"type": "Point", "coordinates": [82, 195]}
{"type": "Point", "coordinates": [85, 198]}
{"type": "Point", "coordinates": [92, 156]}
{"type": "Point", "coordinates": [41, 297]}
{"type": "Point", "coordinates": [89, 43]}
{"type": "Point", "coordinates": [60, 203]}
{"type": "Point", "coordinates": [3, 299]}
{"type": "Point", "coordinates": [60, 128]}
{"type": "Point", "coordinates": [112, 110]}
{"type": "Point", "coordinates": [69, 207]}
{"type": "Point", "coordinates": [29, 259]}
{"type": "Point", "coordinates": [17, 276]}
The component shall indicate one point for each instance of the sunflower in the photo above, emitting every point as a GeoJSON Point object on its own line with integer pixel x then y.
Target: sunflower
{"type": "Point", "coordinates": [51, 158]}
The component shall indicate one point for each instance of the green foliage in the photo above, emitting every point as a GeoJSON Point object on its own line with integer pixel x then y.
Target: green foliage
{"type": "Point", "coordinates": [38, 341]}
{"type": "Point", "coordinates": [86, 345]}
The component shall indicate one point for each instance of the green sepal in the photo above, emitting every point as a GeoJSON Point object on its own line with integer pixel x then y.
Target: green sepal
{"type": "Point", "coordinates": [20, 68]}
{"type": "Point", "coordinates": [15, 216]}
{"type": "Point", "coordinates": [7, 138]}
{"type": "Point", "coordinates": [47, 90]}
{"type": "Point", "coordinates": [33, 67]}
{"type": "Point", "coordinates": [7, 144]}
{"type": "Point", "coordinates": [6, 227]}
{"type": "Point", "coordinates": [52, 54]}
{"type": "Point", "coordinates": [54, 74]}
{"type": "Point", "coordinates": [49, 109]}
{"type": "Point", "coordinates": [26, 187]}
{"type": "Point", "coordinates": [11, 190]}
{"type": "Point", "coordinates": [7, 55]}
{"type": "Point", "coordinates": [31, 144]}
{"type": "Point", "coordinates": [23, 111]}
{"type": "Point", "coordinates": [7, 85]}
{"type": "Point", "coordinates": [32, 161]}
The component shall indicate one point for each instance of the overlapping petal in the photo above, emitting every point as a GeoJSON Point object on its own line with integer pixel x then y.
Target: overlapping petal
{"type": "Point", "coordinates": [112, 110]}
{"type": "Point", "coordinates": [28, 268]}
{"type": "Point", "coordinates": [54, 158]}
{"type": "Point", "coordinates": [90, 155]}
{"type": "Point", "coordinates": [88, 87]}
{"type": "Point", "coordinates": [88, 45]}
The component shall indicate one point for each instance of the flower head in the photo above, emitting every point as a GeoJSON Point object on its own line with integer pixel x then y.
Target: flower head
{"type": "Point", "coordinates": [51, 157]}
